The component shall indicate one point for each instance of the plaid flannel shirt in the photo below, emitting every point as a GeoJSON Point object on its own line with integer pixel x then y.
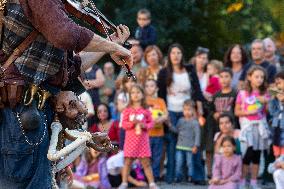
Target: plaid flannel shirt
{"type": "Point", "coordinates": [39, 61]}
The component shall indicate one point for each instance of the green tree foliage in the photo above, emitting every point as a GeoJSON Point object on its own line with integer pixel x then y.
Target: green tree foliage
{"type": "Point", "coordinates": [201, 22]}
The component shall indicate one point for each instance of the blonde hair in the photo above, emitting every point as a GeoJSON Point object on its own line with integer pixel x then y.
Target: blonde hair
{"type": "Point", "coordinates": [149, 49]}
{"type": "Point", "coordinates": [218, 65]}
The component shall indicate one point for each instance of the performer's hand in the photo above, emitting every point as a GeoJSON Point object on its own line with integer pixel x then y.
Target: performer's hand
{"type": "Point", "coordinates": [121, 35]}
{"type": "Point", "coordinates": [121, 56]}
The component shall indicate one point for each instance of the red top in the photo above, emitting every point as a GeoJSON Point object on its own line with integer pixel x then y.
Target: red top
{"type": "Point", "coordinates": [113, 132]}
{"type": "Point", "coordinates": [213, 85]}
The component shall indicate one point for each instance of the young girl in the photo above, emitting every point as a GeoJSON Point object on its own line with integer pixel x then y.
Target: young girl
{"type": "Point", "coordinates": [251, 107]}
{"type": "Point", "coordinates": [122, 101]}
{"type": "Point", "coordinates": [91, 171]}
{"type": "Point", "coordinates": [227, 167]}
{"type": "Point", "coordinates": [137, 120]}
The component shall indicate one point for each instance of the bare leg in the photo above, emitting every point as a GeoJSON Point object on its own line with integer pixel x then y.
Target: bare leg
{"type": "Point", "coordinates": [254, 171]}
{"type": "Point", "coordinates": [209, 163]}
{"type": "Point", "coordinates": [245, 171]}
{"type": "Point", "coordinates": [147, 169]}
{"type": "Point", "coordinates": [126, 169]}
{"type": "Point", "coordinates": [136, 182]}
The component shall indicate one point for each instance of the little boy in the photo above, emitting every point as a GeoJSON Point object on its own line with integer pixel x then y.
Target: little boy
{"type": "Point", "coordinates": [188, 131]}
{"type": "Point", "coordinates": [160, 115]}
{"type": "Point", "coordinates": [224, 100]}
{"type": "Point", "coordinates": [145, 33]}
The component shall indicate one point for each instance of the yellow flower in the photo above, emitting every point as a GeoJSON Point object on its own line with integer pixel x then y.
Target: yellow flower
{"type": "Point", "coordinates": [235, 7]}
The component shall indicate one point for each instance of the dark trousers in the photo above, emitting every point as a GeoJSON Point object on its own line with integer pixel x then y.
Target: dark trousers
{"type": "Point", "coordinates": [198, 167]}
{"type": "Point", "coordinates": [157, 152]}
{"type": "Point", "coordinates": [171, 140]}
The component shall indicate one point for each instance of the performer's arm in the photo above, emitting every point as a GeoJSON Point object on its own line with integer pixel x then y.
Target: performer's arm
{"type": "Point", "coordinates": [91, 58]}
{"type": "Point", "coordinates": [51, 20]}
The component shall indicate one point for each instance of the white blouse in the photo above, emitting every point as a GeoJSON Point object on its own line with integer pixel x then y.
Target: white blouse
{"type": "Point", "coordinates": [178, 92]}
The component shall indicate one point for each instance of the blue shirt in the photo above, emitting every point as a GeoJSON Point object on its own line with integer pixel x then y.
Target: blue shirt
{"type": "Point", "coordinates": [146, 36]}
{"type": "Point", "coordinates": [270, 71]}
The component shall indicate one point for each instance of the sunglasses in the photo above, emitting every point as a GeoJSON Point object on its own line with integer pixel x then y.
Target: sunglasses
{"type": "Point", "coordinates": [201, 50]}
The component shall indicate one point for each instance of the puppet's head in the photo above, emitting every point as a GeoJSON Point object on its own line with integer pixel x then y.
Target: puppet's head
{"type": "Point", "coordinates": [71, 110]}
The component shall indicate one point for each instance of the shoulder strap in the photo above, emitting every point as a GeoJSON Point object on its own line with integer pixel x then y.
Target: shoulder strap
{"type": "Point", "coordinates": [18, 51]}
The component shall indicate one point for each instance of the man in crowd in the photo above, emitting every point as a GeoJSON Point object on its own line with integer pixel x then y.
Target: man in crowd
{"type": "Point", "coordinates": [138, 62]}
{"type": "Point", "coordinates": [108, 90]}
{"type": "Point", "coordinates": [270, 53]}
{"type": "Point", "coordinates": [258, 58]}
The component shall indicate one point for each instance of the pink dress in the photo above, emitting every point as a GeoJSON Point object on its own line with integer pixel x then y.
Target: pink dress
{"type": "Point", "coordinates": [136, 145]}
{"type": "Point", "coordinates": [225, 168]}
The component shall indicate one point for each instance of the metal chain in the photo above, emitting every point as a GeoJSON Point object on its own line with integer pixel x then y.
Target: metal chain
{"type": "Point", "coordinates": [26, 137]}
{"type": "Point", "coordinates": [97, 14]}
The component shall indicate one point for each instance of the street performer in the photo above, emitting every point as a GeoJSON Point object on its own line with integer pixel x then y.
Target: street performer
{"type": "Point", "coordinates": [47, 65]}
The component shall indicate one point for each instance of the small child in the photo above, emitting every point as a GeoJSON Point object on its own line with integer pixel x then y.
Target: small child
{"type": "Point", "coordinates": [122, 101]}
{"type": "Point", "coordinates": [251, 106]}
{"type": "Point", "coordinates": [91, 171]}
{"type": "Point", "coordinates": [159, 112]}
{"type": "Point", "coordinates": [277, 169]}
{"type": "Point", "coordinates": [227, 169]}
{"type": "Point", "coordinates": [213, 86]}
{"type": "Point", "coordinates": [276, 109]}
{"type": "Point", "coordinates": [188, 130]}
{"type": "Point", "coordinates": [224, 100]}
{"type": "Point", "coordinates": [145, 33]}
{"type": "Point", "coordinates": [137, 120]}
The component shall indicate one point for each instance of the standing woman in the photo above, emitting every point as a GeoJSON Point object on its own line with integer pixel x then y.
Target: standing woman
{"type": "Point", "coordinates": [235, 58]}
{"type": "Point", "coordinates": [154, 58]}
{"type": "Point", "coordinates": [177, 82]}
{"type": "Point", "coordinates": [200, 60]}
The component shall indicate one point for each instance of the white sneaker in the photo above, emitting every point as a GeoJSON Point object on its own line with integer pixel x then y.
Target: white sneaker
{"type": "Point", "coordinates": [153, 186]}
{"type": "Point", "coordinates": [123, 186]}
